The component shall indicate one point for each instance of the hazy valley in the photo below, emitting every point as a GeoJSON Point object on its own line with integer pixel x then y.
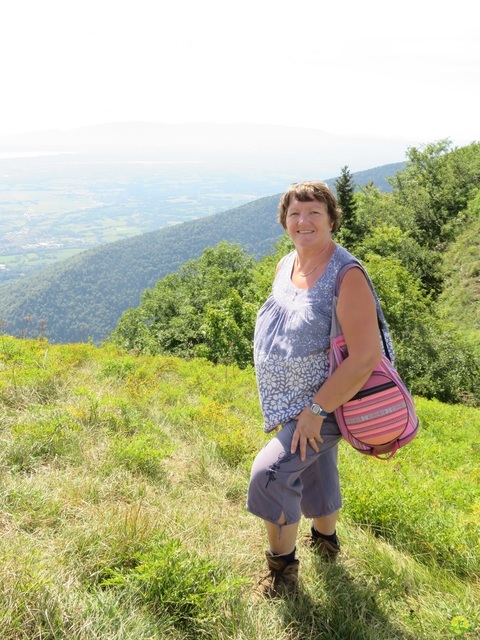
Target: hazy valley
{"type": "Point", "coordinates": [64, 192]}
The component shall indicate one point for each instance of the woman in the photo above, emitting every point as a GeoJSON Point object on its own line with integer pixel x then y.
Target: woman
{"type": "Point", "coordinates": [296, 473]}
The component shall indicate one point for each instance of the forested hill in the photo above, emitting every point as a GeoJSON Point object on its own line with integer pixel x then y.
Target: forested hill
{"type": "Point", "coordinates": [85, 296]}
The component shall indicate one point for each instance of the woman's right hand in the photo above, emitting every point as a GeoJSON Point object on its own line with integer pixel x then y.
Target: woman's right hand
{"type": "Point", "coordinates": [307, 432]}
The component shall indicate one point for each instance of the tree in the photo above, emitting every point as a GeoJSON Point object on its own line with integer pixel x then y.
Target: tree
{"type": "Point", "coordinates": [204, 310]}
{"type": "Point", "coordinates": [433, 192]}
{"type": "Point", "coordinates": [229, 331]}
{"type": "Point", "coordinates": [435, 188]}
{"type": "Point", "coordinates": [345, 188]}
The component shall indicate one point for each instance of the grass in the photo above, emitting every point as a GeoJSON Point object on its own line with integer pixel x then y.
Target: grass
{"type": "Point", "coordinates": [123, 483]}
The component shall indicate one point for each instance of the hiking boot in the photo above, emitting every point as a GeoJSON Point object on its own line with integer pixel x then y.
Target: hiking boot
{"type": "Point", "coordinates": [326, 549]}
{"type": "Point", "coordinates": [282, 579]}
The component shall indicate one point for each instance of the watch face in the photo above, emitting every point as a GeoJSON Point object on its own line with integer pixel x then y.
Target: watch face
{"type": "Point", "coordinates": [317, 409]}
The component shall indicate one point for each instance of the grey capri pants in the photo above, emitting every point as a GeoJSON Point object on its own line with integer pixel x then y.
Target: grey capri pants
{"type": "Point", "coordinates": [281, 483]}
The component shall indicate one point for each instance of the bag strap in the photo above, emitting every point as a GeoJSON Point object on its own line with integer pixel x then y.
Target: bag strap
{"type": "Point", "coordinates": [335, 327]}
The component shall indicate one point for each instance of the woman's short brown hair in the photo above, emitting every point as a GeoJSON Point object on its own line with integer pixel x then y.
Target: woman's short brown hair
{"type": "Point", "coordinates": [306, 192]}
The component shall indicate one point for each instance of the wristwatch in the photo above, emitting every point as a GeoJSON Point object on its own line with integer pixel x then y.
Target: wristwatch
{"type": "Point", "coordinates": [317, 410]}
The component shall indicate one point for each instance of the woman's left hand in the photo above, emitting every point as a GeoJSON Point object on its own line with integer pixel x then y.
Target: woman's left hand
{"type": "Point", "coordinates": [308, 432]}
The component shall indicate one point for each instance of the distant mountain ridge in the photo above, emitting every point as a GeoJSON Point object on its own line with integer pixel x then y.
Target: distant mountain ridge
{"type": "Point", "coordinates": [288, 150]}
{"type": "Point", "coordinates": [84, 296]}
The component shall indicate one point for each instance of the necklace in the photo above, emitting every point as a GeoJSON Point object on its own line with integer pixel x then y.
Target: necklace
{"type": "Point", "coordinates": [304, 275]}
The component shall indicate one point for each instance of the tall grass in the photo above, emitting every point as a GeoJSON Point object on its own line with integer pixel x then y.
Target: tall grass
{"type": "Point", "coordinates": [122, 515]}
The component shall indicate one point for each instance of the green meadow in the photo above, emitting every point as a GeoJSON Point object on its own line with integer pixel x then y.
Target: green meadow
{"type": "Point", "coordinates": [123, 483]}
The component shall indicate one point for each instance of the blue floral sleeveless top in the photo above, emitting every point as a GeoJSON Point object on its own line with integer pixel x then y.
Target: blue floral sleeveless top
{"type": "Point", "coordinates": [292, 338]}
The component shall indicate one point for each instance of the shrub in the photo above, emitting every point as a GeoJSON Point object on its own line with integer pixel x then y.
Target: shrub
{"type": "Point", "coordinates": [177, 583]}
{"type": "Point", "coordinates": [142, 453]}
{"type": "Point", "coordinates": [437, 361]}
{"type": "Point", "coordinates": [47, 439]}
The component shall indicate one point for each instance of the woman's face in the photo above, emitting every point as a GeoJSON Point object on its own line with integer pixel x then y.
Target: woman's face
{"type": "Point", "coordinates": [308, 224]}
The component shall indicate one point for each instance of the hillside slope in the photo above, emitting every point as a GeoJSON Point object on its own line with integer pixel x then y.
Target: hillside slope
{"type": "Point", "coordinates": [85, 296]}
{"type": "Point", "coordinates": [460, 299]}
{"type": "Point", "coordinates": [123, 511]}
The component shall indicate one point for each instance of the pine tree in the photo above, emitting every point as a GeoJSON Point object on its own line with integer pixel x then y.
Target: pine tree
{"type": "Point", "coordinates": [345, 188]}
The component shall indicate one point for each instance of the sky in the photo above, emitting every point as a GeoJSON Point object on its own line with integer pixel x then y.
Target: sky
{"type": "Point", "coordinates": [406, 70]}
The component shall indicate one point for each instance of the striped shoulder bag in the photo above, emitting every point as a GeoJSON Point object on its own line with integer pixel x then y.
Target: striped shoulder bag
{"type": "Point", "coordinates": [381, 417]}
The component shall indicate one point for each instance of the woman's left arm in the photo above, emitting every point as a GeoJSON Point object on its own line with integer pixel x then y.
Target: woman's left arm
{"type": "Point", "coordinates": [357, 314]}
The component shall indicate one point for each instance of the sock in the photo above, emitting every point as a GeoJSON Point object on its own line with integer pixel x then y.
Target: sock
{"type": "Point", "coordinates": [331, 538]}
{"type": "Point", "coordinates": [288, 557]}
